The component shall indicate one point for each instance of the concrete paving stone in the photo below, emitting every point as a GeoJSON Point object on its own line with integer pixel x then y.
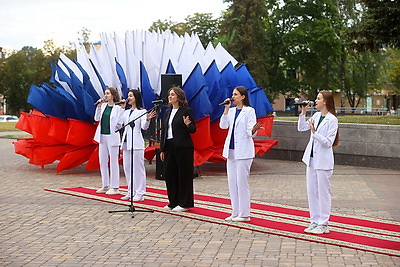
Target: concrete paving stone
{"type": "Point", "coordinates": [40, 228]}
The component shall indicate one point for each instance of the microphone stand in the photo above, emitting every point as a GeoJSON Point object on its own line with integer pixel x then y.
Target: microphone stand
{"type": "Point", "coordinates": [159, 165]}
{"type": "Point", "coordinates": [131, 206]}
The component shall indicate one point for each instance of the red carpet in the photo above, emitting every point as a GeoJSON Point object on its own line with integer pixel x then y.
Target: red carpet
{"type": "Point", "coordinates": [369, 234]}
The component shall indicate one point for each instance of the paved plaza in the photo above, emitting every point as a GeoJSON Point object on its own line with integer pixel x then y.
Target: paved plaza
{"type": "Point", "coordinates": [40, 228]}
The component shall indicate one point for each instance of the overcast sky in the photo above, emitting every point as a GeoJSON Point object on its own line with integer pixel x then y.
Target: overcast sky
{"type": "Point", "coordinates": [31, 22]}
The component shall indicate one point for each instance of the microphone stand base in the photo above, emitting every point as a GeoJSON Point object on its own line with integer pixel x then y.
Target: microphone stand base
{"type": "Point", "coordinates": [131, 209]}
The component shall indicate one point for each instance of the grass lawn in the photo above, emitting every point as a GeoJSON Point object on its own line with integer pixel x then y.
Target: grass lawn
{"type": "Point", "coordinates": [8, 126]}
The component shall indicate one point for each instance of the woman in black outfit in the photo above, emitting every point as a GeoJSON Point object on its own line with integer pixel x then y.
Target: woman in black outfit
{"type": "Point", "coordinates": [176, 151]}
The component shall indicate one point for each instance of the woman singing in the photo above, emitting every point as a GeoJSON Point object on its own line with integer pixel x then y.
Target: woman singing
{"type": "Point", "coordinates": [109, 116]}
{"type": "Point", "coordinates": [239, 151]}
{"type": "Point", "coordinates": [136, 148]}
{"type": "Point", "coordinates": [318, 157]}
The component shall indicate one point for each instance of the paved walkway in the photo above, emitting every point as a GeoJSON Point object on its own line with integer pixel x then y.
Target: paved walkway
{"type": "Point", "coordinates": [8, 133]}
{"type": "Point", "coordinates": [40, 228]}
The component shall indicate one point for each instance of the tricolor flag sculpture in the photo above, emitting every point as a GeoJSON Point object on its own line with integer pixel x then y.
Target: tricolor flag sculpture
{"type": "Point", "coordinates": [62, 124]}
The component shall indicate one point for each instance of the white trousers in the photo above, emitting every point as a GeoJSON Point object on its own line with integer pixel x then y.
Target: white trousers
{"type": "Point", "coordinates": [109, 177]}
{"type": "Point", "coordinates": [319, 194]}
{"type": "Point", "coordinates": [139, 172]}
{"type": "Point", "coordinates": [238, 171]}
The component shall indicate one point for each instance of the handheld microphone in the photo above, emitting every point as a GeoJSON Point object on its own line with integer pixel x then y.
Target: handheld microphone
{"type": "Point", "coordinates": [304, 103]}
{"type": "Point", "coordinates": [158, 101]}
{"type": "Point", "coordinates": [98, 101]}
{"type": "Point", "coordinates": [119, 103]}
{"type": "Point", "coordinates": [225, 102]}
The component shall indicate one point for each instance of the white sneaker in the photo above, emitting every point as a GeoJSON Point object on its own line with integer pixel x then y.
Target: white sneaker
{"type": "Point", "coordinates": [241, 219]}
{"type": "Point", "coordinates": [180, 209]}
{"type": "Point", "coordinates": [311, 227]}
{"type": "Point", "coordinates": [102, 190]}
{"type": "Point", "coordinates": [166, 207]}
{"type": "Point", "coordinates": [135, 198]}
{"type": "Point", "coordinates": [229, 218]}
{"type": "Point", "coordinates": [319, 230]}
{"type": "Point", "coordinates": [112, 191]}
{"type": "Point", "coordinates": [127, 197]}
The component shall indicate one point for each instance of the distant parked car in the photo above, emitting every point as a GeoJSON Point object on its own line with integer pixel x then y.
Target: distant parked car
{"type": "Point", "coordinates": [8, 118]}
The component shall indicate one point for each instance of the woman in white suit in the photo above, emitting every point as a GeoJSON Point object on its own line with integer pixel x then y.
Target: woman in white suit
{"type": "Point", "coordinates": [318, 157]}
{"type": "Point", "coordinates": [108, 114]}
{"type": "Point", "coordinates": [239, 151]}
{"type": "Point", "coordinates": [141, 122]}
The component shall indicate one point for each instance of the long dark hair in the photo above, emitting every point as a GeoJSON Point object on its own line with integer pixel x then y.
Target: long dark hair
{"type": "Point", "coordinates": [138, 98]}
{"type": "Point", "coordinates": [181, 96]}
{"type": "Point", "coordinates": [330, 106]}
{"type": "Point", "coordinates": [243, 91]}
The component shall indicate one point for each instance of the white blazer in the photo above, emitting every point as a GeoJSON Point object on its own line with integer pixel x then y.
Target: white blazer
{"type": "Point", "coordinates": [242, 130]}
{"type": "Point", "coordinates": [322, 139]}
{"type": "Point", "coordinates": [140, 123]}
{"type": "Point", "coordinates": [115, 123]}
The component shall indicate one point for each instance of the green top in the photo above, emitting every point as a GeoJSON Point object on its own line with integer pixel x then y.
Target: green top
{"type": "Point", "coordinates": [320, 120]}
{"type": "Point", "coordinates": [105, 120]}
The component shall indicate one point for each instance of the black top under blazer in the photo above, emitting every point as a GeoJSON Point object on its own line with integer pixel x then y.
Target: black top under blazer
{"type": "Point", "coordinates": [181, 132]}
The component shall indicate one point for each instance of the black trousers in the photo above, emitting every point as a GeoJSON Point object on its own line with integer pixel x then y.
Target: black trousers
{"type": "Point", "coordinates": [178, 173]}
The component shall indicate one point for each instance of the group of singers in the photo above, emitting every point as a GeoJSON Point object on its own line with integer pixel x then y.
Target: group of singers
{"type": "Point", "coordinates": [111, 118]}
{"type": "Point", "coordinates": [177, 150]}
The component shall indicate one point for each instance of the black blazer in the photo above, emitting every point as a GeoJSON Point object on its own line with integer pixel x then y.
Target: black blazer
{"type": "Point", "coordinates": [180, 131]}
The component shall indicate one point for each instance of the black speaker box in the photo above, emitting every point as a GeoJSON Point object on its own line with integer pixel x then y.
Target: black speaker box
{"type": "Point", "coordinates": [167, 81]}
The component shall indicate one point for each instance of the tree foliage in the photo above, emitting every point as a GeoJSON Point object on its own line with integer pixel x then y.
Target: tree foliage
{"type": "Point", "coordinates": [201, 23]}
{"type": "Point", "coordinates": [25, 67]}
{"type": "Point", "coordinates": [243, 33]}
{"type": "Point", "coordinates": [168, 24]}
{"type": "Point", "coordinates": [364, 72]}
{"type": "Point", "coordinates": [309, 45]}
{"type": "Point", "coordinates": [361, 70]}
{"type": "Point", "coordinates": [204, 25]}
{"type": "Point", "coordinates": [379, 26]}
{"type": "Point", "coordinates": [83, 39]}
{"type": "Point", "coordinates": [301, 46]}
{"type": "Point", "coordinates": [17, 73]}
{"type": "Point", "coordinates": [289, 46]}
{"type": "Point", "coordinates": [394, 69]}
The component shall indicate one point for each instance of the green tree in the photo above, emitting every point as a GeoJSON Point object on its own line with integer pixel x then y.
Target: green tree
{"type": "Point", "coordinates": [83, 39]}
{"type": "Point", "coordinates": [360, 70]}
{"type": "Point", "coordinates": [350, 16]}
{"type": "Point", "coordinates": [25, 67]}
{"type": "Point", "coordinates": [242, 33]}
{"type": "Point", "coordinates": [201, 23]}
{"type": "Point", "coordinates": [394, 69]}
{"type": "Point", "coordinates": [303, 46]}
{"type": "Point", "coordinates": [168, 24]}
{"type": "Point", "coordinates": [17, 73]}
{"type": "Point", "coordinates": [51, 51]}
{"type": "Point", "coordinates": [364, 73]}
{"type": "Point", "coordinates": [379, 27]}
{"type": "Point", "coordinates": [204, 25]}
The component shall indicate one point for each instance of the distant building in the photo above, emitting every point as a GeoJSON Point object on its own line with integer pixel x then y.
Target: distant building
{"type": "Point", "coordinates": [375, 103]}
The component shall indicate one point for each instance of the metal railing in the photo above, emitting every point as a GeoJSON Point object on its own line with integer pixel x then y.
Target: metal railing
{"type": "Point", "coordinates": [364, 111]}
{"type": "Point", "coordinates": [346, 111]}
